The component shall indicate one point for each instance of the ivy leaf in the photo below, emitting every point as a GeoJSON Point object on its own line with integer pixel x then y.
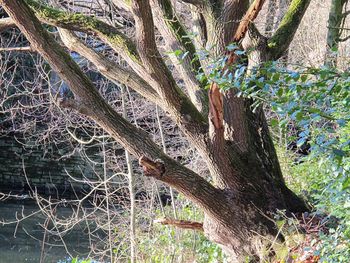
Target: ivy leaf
{"type": "Point", "coordinates": [276, 77]}
{"type": "Point", "coordinates": [339, 152]}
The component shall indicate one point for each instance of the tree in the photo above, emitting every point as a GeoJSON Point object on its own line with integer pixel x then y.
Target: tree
{"type": "Point", "coordinates": [246, 186]}
{"type": "Point", "coordinates": [336, 20]}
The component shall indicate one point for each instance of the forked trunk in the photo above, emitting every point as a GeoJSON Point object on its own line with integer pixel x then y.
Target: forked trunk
{"type": "Point", "coordinates": [244, 164]}
{"type": "Point", "coordinates": [255, 192]}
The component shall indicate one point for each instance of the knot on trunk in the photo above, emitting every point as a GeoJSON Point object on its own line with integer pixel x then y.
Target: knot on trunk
{"type": "Point", "coordinates": [73, 104]}
{"type": "Point", "coordinates": [152, 168]}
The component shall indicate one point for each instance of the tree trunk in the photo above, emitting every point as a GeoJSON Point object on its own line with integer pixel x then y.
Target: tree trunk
{"type": "Point", "coordinates": [253, 183]}
{"type": "Point", "coordinates": [257, 190]}
{"type": "Point", "coordinates": [335, 20]}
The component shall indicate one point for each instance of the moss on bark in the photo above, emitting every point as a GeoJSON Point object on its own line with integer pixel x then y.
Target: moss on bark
{"type": "Point", "coordinates": [280, 41]}
{"type": "Point", "coordinates": [84, 23]}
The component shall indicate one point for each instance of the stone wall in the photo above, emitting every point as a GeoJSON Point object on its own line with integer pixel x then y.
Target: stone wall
{"type": "Point", "coordinates": [43, 168]}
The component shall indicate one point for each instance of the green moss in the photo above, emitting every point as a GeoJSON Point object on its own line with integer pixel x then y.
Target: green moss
{"type": "Point", "coordinates": [121, 41]}
{"type": "Point", "coordinates": [187, 108]}
{"type": "Point", "coordinates": [81, 22]}
{"type": "Point", "coordinates": [58, 17]}
{"type": "Point", "coordinates": [287, 27]}
{"type": "Point", "coordinates": [128, 2]}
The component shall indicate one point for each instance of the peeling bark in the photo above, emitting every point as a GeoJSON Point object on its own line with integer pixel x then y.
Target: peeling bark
{"type": "Point", "coordinates": [184, 224]}
{"type": "Point", "coordinates": [216, 107]}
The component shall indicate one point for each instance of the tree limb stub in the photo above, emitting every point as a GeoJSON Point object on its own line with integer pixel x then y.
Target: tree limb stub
{"type": "Point", "coordinates": [152, 168]}
{"type": "Point", "coordinates": [184, 224]}
{"type": "Point", "coordinates": [73, 104]}
{"type": "Point", "coordinates": [216, 107]}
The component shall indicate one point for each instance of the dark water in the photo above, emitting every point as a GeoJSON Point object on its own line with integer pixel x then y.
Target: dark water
{"type": "Point", "coordinates": [22, 242]}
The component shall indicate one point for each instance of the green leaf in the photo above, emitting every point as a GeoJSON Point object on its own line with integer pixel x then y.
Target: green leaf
{"type": "Point", "coordinates": [178, 52]}
{"type": "Point", "coordinates": [280, 92]}
{"type": "Point", "coordinates": [274, 122]}
{"type": "Point", "coordinates": [346, 183]}
{"type": "Point", "coordinates": [299, 116]}
{"type": "Point", "coordinates": [276, 77]}
{"type": "Point", "coordinates": [303, 78]}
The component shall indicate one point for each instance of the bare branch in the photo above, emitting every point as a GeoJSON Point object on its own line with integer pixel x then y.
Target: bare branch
{"type": "Point", "coordinates": [109, 69]}
{"type": "Point", "coordinates": [17, 49]}
{"type": "Point", "coordinates": [344, 39]}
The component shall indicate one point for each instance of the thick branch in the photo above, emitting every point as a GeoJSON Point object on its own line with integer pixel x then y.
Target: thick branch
{"type": "Point", "coordinates": [109, 69]}
{"type": "Point", "coordinates": [88, 98]}
{"type": "Point", "coordinates": [249, 17]}
{"type": "Point", "coordinates": [199, 29]}
{"type": "Point", "coordinates": [257, 44]}
{"type": "Point", "coordinates": [285, 32]}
